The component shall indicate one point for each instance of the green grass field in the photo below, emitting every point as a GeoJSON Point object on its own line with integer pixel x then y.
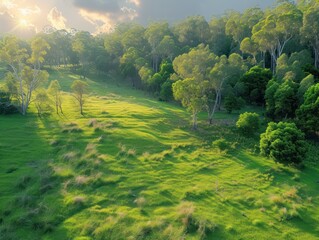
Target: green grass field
{"type": "Point", "coordinates": [131, 168]}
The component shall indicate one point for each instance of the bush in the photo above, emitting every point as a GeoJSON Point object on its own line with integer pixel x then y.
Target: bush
{"type": "Point", "coordinates": [283, 142]}
{"type": "Point", "coordinates": [221, 144]}
{"type": "Point", "coordinates": [248, 123]}
{"type": "Point", "coordinates": [5, 104]}
{"type": "Point", "coordinates": [7, 108]}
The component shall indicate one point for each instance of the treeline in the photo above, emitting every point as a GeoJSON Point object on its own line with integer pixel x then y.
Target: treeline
{"type": "Point", "coordinates": [268, 58]}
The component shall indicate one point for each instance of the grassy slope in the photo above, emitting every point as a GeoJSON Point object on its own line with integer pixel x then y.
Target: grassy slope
{"type": "Point", "coordinates": [132, 169]}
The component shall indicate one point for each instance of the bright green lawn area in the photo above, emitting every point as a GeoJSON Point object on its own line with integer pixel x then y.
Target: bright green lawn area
{"type": "Point", "coordinates": [131, 168]}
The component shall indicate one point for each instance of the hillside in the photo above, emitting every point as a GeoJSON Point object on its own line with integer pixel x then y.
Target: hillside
{"type": "Point", "coordinates": [131, 168]}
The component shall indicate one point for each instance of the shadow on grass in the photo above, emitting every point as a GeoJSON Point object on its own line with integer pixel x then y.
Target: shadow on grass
{"type": "Point", "coordinates": [27, 183]}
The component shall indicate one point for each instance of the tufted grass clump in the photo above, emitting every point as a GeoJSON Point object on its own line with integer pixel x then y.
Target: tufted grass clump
{"type": "Point", "coordinates": [222, 145]}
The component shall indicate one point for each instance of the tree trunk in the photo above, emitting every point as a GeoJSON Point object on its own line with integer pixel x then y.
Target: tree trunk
{"type": "Point", "coordinates": [219, 100]}
{"type": "Point", "coordinates": [60, 106]}
{"type": "Point", "coordinates": [215, 107]}
{"type": "Point", "coordinates": [194, 121]}
{"type": "Point", "coordinates": [81, 105]}
{"type": "Point", "coordinates": [316, 51]}
{"type": "Point", "coordinates": [264, 59]}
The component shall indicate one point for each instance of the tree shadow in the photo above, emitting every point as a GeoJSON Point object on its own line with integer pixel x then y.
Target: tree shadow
{"type": "Point", "coordinates": [27, 180]}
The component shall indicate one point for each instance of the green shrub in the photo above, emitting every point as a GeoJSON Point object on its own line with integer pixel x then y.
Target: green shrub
{"type": "Point", "coordinates": [283, 142]}
{"type": "Point", "coordinates": [221, 144]}
{"type": "Point", "coordinates": [6, 107]}
{"type": "Point", "coordinates": [248, 123]}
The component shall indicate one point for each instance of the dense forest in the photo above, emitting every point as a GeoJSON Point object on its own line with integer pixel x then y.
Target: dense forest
{"type": "Point", "coordinates": [266, 61]}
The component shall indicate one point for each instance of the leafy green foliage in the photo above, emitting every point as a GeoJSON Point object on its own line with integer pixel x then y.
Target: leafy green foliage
{"type": "Point", "coordinates": [54, 90]}
{"type": "Point", "coordinates": [221, 144]}
{"type": "Point", "coordinates": [281, 99]}
{"type": "Point", "coordinates": [42, 102]}
{"type": "Point", "coordinates": [233, 103]}
{"type": "Point", "coordinates": [274, 31]}
{"type": "Point", "coordinates": [6, 107]}
{"type": "Point", "coordinates": [255, 82]}
{"type": "Point", "coordinates": [309, 32]}
{"type": "Point", "coordinates": [286, 101]}
{"type": "Point", "coordinates": [308, 113]}
{"type": "Point", "coordinates": [226, 70]}
{"type": "Point", "coordinates": [248, 123]}
{"type": "Point", "coordinates": [26, 75]}
{"type": "Point", "coordinates": [189, 92]}
{"type": "Point", "coordinates": [155, 82]}
{"type": "Point", "coordinates": [283, 142]}
{"type": "Point", "coordinates": [193, 68]}
{"type": "Point", "coordinates": [305, 84]}
{"type": "Point", "coordinates": [293, 67]}
{"type": "Point", "coordinates": [166, 93]}
{"type": "Point", "coordinates": [192, 31]}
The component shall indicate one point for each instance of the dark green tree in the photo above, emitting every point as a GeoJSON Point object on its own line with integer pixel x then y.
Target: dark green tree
{"type": "Point", "coordinates": [304, 85]}
{"type": "Point", "coordinates": [166, 93]}
{"type": "Point", "coordinates": [82, 45]}
{"type": "Point", "coordinates": [281, 99]}
{"type": "Point", "coordinates": [272, 87]}
{"type": "Point", "coordinates": [255, 82]}
{"type": "Point", "coordinates": [308, 113]}
{"type": "Point", "coordinates": [232, 103]}
{"type": "Point", "coordinates": [286, 100]}
{"type": "Point", "coordinates": [283, 142]}
{"type": "Point", "coordinates": [192, 31]}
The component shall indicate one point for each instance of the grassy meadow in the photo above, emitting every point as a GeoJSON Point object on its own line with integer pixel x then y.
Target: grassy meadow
{"type": "Point", "coordinates": [131, 168]}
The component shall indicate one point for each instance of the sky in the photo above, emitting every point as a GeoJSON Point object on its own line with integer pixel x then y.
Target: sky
{"type": "Point", "coordinates": [96, 16]}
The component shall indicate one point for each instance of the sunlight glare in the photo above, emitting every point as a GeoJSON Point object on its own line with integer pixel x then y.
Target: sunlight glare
{"type": "Point", "coordinates": [24, 23]}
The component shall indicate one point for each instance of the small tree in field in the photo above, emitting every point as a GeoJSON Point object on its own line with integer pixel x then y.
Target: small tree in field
{"type": "Point", "coordinates": [283, 142]}
{"type": "Point", "coordinates": [248, 123]}
{"type": "Point", "coordinates": [42, 102]}
{"type": "Point", "coordinates": [79, 88]}
{"type": "Point", "coordinates": [188, 91]}
{"type": "Point", "coordinates": [55, 91]}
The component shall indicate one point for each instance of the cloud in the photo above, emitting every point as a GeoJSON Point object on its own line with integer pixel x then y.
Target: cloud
{"type": "Point", "coordinates": [135, 2]}
{"type": "Point", "coordinates": [105, 22]}
{"type": "Point", "coordinates": [104, 15]}
{"type": "Point", "coordinates": [56, 19]}
{"type": "Point", "coordinates": [98, 5]}
{"type": "Point", "coordinates": [27, 11]}
{"type": "Point", "coordinates": [129, 13]}
{"type": "Point", "coordinates": [102, 22]}
{"type": "Point", "coordinates": [7, 22]}
{"type": "Point", "coordinates": [14, 9]}
{"type": "Point", "coordinates": [168, 10]}
{"type": "Point", "coordinates": [6, 6]}
{"type": "Point", "coordinates": [18, 15]}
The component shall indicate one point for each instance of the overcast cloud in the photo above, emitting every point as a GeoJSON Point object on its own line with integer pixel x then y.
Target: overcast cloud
{"type": "Point", "coordinates": [102, 15]}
